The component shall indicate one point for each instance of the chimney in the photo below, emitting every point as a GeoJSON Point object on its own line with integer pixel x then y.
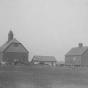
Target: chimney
{"type": "Point", "coordinates": [80, 45]}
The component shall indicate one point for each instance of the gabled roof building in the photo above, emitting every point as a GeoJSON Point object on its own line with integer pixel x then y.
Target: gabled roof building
{"type": "Point", "coordinates": [77, 55]}
{"type": "Point", "coordinates": [44, 59]}
{"type": "Point", "coordinates": [13, 50]}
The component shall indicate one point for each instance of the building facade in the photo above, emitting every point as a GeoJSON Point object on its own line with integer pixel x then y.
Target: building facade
{"type": "Point", "coordinates": [13, 50]}
{"type": "Point", "coordinates": [77, 55]}
{"type": "Point", "coordinates": [49, 60]}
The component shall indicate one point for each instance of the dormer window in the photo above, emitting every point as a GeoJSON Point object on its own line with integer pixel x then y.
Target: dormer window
{"type": "Point", "coordinates": [16, 44]}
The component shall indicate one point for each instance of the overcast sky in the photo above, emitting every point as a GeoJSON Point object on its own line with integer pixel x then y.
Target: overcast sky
{"type": "Point", "coordinates": [45, 27]}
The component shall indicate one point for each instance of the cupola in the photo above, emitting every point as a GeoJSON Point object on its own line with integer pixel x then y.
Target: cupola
{"type": "Point", "coordinates": [10, 36]}
{"type": "Point", "coordinates": [80, 45]}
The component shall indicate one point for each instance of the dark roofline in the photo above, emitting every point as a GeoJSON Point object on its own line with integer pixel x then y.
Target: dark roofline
{"type": "Point", "coordinates": [13, 43]}
{"type": "Point", "coordinates": [77, 47]}
{"type": "Point", "coordinates": [43, 56]}
{"type": "Point", "coordinates": [72, 55]}
{"type": "Point", "coordinates": [85, 51]}
{"type": "Point", "coordinates": [24, 47]}
{"type": "Point", "coordinates": [6, 47]}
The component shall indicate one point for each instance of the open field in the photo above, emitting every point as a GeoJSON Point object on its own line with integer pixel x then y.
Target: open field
{"type": "Point", "coordinates": [43, 77]}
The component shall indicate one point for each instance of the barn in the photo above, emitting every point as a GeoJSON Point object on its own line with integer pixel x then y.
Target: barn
{"type": "Point", "coordinates": [13, 50]}
{"type": "Point", "coordinates": [77, 55]}
{"type": "Point", "coordinates": [49, 60]}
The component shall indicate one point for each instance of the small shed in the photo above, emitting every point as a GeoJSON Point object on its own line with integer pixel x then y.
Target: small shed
{"type": "Point", "coordinates": [50, 60]}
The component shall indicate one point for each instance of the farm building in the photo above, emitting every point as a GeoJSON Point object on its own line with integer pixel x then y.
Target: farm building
{"type": "Point", "coordinates": [13, 50]}
{"type": "Point", "coordinates": [77, 55]}
{"type": "Point", "coordinates": [49, 60]}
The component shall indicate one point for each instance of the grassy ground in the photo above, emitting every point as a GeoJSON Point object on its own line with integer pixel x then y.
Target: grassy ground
{"type": "Point", "coordinates": [43, 77]}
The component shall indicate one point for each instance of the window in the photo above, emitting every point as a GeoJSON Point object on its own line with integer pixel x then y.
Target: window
{"type": "Point", "coordinates": [16, 44]}
{"type": "Point", "coordinates": [74, 58]}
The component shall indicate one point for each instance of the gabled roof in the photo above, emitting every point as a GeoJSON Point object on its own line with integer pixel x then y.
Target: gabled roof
{"type": "Point", "coordinates": [77, 51]}
{"type": "Point", "coordinates": [44, 58]}
{"type": "Point", "coordinates": [7, 44]}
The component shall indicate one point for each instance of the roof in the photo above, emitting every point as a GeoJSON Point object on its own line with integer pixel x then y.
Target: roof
{"type": "Point", "coordinates": [77, 51]}
{"type": "Point", "coordinates": [44, 58]}
{"type": "Point", "coordinates": [7, 44]}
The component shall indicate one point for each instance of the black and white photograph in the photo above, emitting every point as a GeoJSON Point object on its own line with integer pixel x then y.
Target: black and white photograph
{"type": "Point", "coordinates": [43, 43]}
